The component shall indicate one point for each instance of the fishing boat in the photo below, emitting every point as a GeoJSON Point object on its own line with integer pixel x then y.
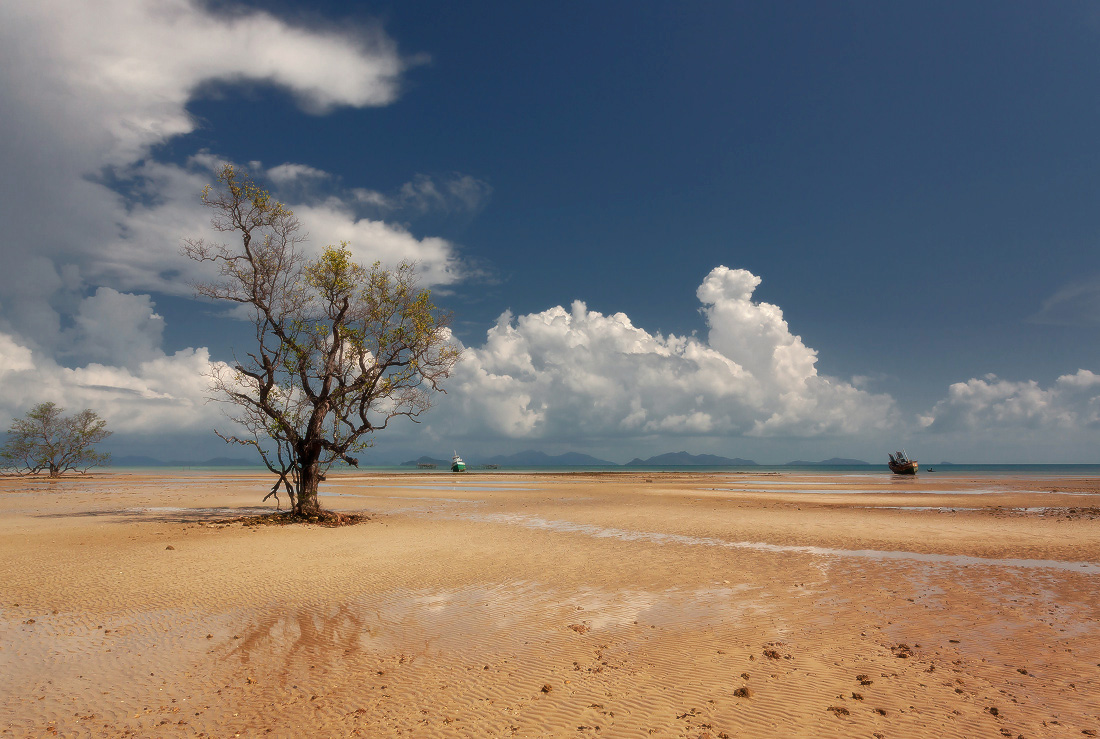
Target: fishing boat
{"type": "Point", "coordinates": [457, 465]}
{"type": "Point", "coordinates": [900, 464]}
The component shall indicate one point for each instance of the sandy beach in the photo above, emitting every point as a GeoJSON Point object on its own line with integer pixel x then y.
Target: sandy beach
{"type": "Point", "coordinates": [612, 605]}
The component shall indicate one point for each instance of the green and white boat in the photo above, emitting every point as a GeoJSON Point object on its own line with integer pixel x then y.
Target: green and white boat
{"type": "Point", "coordinates": [457, 465]}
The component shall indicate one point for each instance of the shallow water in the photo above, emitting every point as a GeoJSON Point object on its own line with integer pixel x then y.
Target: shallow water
{"type": "Point", "coordinates": [400, 497]}
{"type": "Point", "coordinates": [654, 537]}
{"type": "Point", "coordinates": [220, 511]}
{"type": "Point", "coordinates": [489, 488]}
{"type": "Point", "coordinates": [879, 491]}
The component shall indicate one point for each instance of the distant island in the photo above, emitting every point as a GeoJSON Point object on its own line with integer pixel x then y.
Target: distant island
{"type": "Point", "coordinates": [426, 460]}
{"type": "Point", "coordinates": [683, 459]}
{"type": "Point", "coordinates": [835, 461]}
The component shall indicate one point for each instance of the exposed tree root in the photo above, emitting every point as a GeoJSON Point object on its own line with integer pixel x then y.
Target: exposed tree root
{"type": "Point", "coordinates": [330, 519]}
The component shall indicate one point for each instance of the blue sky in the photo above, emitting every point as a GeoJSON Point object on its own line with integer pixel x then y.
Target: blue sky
{"type": "Point", "coordinates": [915, 187]}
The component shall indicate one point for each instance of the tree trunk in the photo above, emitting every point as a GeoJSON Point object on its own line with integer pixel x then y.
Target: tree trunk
{"type": "Point", "coordinates": [309, 478]}
{"type": "Point", "coordinates": [55, 471]}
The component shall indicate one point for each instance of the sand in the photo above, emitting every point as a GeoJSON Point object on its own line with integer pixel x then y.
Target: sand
{"type": "Point", "coordinates": [580, 605]}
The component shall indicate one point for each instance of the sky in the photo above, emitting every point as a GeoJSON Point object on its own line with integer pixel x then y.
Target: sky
{"type": "Point", "coordinates": [770, 231]}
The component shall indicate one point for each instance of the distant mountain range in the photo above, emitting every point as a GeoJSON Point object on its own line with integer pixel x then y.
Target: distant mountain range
{"type": "Point", "coordinates": [835, 461]}
{"type": "Point", "coordinates": [136, 460]}
{"type": "Point", "coordinates": [532, 458]}
{"type": "Point", "coordinates": [425, 459]}
{"type": "Point", "coordinates": [529, 458]}
{"type": "Point", "coordinates": [683, 459]}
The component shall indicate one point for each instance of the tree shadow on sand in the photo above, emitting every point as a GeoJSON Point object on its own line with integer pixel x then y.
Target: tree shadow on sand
{"type": "Point", "coordinates": [217, 517]}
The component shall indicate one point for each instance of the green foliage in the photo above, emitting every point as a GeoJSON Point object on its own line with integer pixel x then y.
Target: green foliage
{"type": "Point", "coordinates": [341, 348]}
{"type": "Point", "coordinates": [44, 439]}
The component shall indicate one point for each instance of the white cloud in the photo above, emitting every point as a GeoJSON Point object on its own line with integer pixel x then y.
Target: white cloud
{"type": "Point", "coordinates": [991, 406]}
{"type": "Point", "coordinates": [286, 173]}
{"type": "Point", "coordinates": [1075, 304]}
{"type": "Point", "coordinates": [457, 193]}
{"type": "Point", "coordinates": [334, 221]}
{"type": "Point", "coordinates": [579, 374]}
{"type": "Point", "coordinates": [128, 67]}
{"type": "Point", "coordinates": [88, 89]}
{"type": "Point", "coordinates": [163, 394]}
{"type": "Point", "coordinates": [145, 256]}
{"type": "Point", "coordinates": [14, 357]}
{"type": "Point", "coordinates": [116, 328]}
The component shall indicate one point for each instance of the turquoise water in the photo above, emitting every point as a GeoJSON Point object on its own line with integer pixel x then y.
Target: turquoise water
{"type": "Point", "coordinates": [952, 470]}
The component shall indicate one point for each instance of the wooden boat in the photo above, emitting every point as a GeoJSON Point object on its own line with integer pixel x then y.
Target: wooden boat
{"type": "Point", "coordinates": [457, 465]}
{"type": "Point", "coordinates": [900, 464]}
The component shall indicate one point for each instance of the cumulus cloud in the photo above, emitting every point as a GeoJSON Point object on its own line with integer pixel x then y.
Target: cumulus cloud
{"type": "Point", "coordinates": [580, 374]}
{"type": "Point", "coordinates": [116, 328]}
{"type": "Point", "coordinates": [992, 405]}
{"type": "Point", "coordinates": [162, 394]}
{"type": "Point", "coordinates": [89, 89]}
{"type": "Point", "coordinates": [130, 66]}
{"type": "Point", "coordinates": [145, 255]}
{"type": "Point", "coordinates": [334, 221]}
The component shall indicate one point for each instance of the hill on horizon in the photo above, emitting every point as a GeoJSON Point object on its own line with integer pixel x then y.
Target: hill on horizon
{"type": "Point", "coordinates": [683, 459]}
{"type": "Point", "coordinates": [837, 461]}
{"type": "Point", "coordinates": [532, 458]}
{"type": "Point", "coordinates": [425, 459]}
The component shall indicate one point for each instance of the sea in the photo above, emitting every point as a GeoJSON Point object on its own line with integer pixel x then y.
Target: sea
{"type": "Point", "coordinates": [944, 470]}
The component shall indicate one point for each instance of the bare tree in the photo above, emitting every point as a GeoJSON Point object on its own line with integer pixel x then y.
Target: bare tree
{"type": "Point", "coordinates": [44, 439]}
{"type": "Point", "coordinates": [341, 349]}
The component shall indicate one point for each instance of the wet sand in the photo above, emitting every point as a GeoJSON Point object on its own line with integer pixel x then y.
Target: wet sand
{"type": "Point", "coordinates": [612, 605]}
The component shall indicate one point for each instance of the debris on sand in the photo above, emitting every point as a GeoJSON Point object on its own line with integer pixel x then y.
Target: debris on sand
{"type": "Point", "coordinates": [328, 519]}
{"type": "Point", "coordinates": [902, 651]}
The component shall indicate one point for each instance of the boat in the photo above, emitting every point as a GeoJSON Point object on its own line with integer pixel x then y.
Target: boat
{"type": "Point", "coordinates": [900, 464]}
{"type": "Point", "coordinates": [457, 465]}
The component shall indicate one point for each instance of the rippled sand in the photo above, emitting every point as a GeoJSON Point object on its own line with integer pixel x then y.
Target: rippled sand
{"type": "Point", "coordinates": [674, 605]}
